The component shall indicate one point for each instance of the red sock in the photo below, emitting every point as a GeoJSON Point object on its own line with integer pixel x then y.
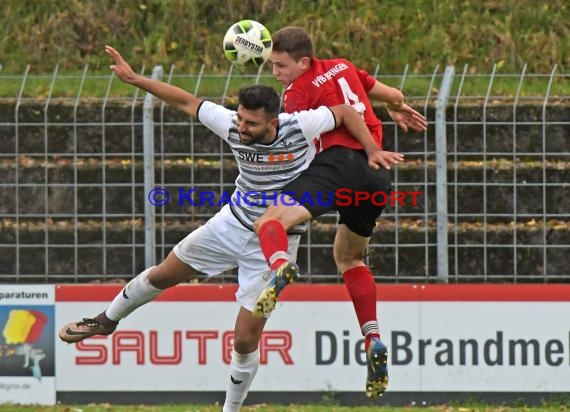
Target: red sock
{"type": "Point", "coordinates": [274, 242]}
{"type": "Point", "coordinates": [362, 289]}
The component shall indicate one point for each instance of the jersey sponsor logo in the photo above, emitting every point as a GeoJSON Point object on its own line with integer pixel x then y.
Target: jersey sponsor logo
{"type": "Point", "coordinates": [251, 156]}
{"type": "Point", "coordinates": [265, 158]}
{"type": "Point", "coordinates": [280, 157]}
{"type": "Point", "coordinates": [321, 79]}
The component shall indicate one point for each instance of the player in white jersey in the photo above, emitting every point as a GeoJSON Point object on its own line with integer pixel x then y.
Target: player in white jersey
{"type": "Point", "coordinates": [271, 149]}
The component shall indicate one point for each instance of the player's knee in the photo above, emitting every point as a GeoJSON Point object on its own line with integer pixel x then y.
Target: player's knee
{"type": "Point", "coordinates": [244, 344]}
{"type": "Point", "coordinates": [346, 265]}
{"type": "Point", "coordinates": [162, 279]}
{"type": "Point", "coordinates": [347, 259]}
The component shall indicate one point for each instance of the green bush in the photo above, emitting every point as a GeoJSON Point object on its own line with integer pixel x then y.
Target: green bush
{"type": "Point", "coordinates": [188, 33]}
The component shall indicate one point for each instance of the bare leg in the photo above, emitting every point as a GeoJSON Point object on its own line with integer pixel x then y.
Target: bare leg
{"type": "Point", "coordinates": [148, 285]}
{"type": "Point", "coordinates": [140, 290]}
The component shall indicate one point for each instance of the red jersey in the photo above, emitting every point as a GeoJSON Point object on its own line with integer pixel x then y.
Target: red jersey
{"type": "Point", "coordinates": [329, 83]}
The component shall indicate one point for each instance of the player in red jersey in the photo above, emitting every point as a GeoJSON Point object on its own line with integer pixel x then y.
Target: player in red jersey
{"type": "Point", "coordinates": [341, 162]}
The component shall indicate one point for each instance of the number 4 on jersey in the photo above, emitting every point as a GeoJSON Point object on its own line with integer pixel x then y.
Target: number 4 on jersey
{"type": "Point", "coordinates": [350, 97]}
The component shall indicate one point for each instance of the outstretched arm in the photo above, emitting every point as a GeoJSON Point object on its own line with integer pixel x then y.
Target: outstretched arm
{"type": "Point", "coordinates": [404, 116]}
{"type": "Point", "coordinates": [352, 120]}
{"type": "Point", "coordinates": [172, 95]}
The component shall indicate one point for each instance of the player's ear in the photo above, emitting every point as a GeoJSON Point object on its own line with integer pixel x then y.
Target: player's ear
{"type": "Point", "coordinates": [274, 122]}
{"type": "Point", "coordinates": [305, 62]}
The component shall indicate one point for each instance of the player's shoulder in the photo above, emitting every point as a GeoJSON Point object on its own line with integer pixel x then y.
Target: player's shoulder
{"type": "Point", "coordinates": [302, 115]}
{"type": "Point", "coordinates": [292, 119]}
{"type": "Point", "coordinates": [329, 63]}
{"type": "Point", "coordinates": [330, 67]}
{"type": "Point", "coordinates": [288, 120]}
{"type": "Point", "coordinates": [207, 106]}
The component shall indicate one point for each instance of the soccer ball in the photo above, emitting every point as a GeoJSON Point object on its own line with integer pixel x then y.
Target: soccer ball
{"type": "Point", "coordinates": [247, 43]}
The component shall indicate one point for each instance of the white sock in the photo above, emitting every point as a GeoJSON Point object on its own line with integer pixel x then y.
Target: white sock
{"type": "Point", "coordinates": [370, 327]}
{"type": "Point", "coordinates": [136, 293]}
{"type": "Point", "coordinates": [242, 371]}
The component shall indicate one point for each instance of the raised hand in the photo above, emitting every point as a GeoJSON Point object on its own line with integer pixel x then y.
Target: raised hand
{"type": "Point", "coordinates": [408, 118]}
{"type": "Point", "coordinates": [121, 68]}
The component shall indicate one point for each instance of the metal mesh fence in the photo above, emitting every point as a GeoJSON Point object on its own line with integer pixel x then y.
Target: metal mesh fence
{"type": "Point", "coordinates": [75, 173]}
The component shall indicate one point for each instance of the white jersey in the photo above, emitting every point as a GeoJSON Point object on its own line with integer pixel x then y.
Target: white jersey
{"type": "Point", "coordinates": [264, 169]}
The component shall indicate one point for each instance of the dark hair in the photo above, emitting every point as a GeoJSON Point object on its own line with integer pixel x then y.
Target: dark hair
{"type": "Point", "coordinates": [260, 97]}
{"type": "Point", "coordinates": [295, 41]}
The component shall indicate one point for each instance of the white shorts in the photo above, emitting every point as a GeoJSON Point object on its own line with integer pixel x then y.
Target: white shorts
{"type": "Point", "coordinates": [223, 243]}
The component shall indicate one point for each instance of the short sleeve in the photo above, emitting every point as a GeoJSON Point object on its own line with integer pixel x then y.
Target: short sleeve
{"type": "Point", "coordinates": [367, 81]}
{"type": "Point", "coordinates": [216, 118]}
{"type": "Point", "coordinates": [314, 122]}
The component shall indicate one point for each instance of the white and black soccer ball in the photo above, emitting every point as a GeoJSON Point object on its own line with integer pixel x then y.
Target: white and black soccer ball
{"type": "Point", "coordinates": [247, 43]}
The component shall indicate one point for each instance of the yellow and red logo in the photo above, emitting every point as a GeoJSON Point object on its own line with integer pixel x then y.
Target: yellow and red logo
{"type": "Point", "coordinates": [24, 326]}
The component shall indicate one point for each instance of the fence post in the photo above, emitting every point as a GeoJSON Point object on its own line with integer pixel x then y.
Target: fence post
{"type": "Point", "coordinates": [17, 171]}
{"type": "Point", "coordinates": [441, 174]}
{"type": "Point", "coordinates": [148, 161]}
